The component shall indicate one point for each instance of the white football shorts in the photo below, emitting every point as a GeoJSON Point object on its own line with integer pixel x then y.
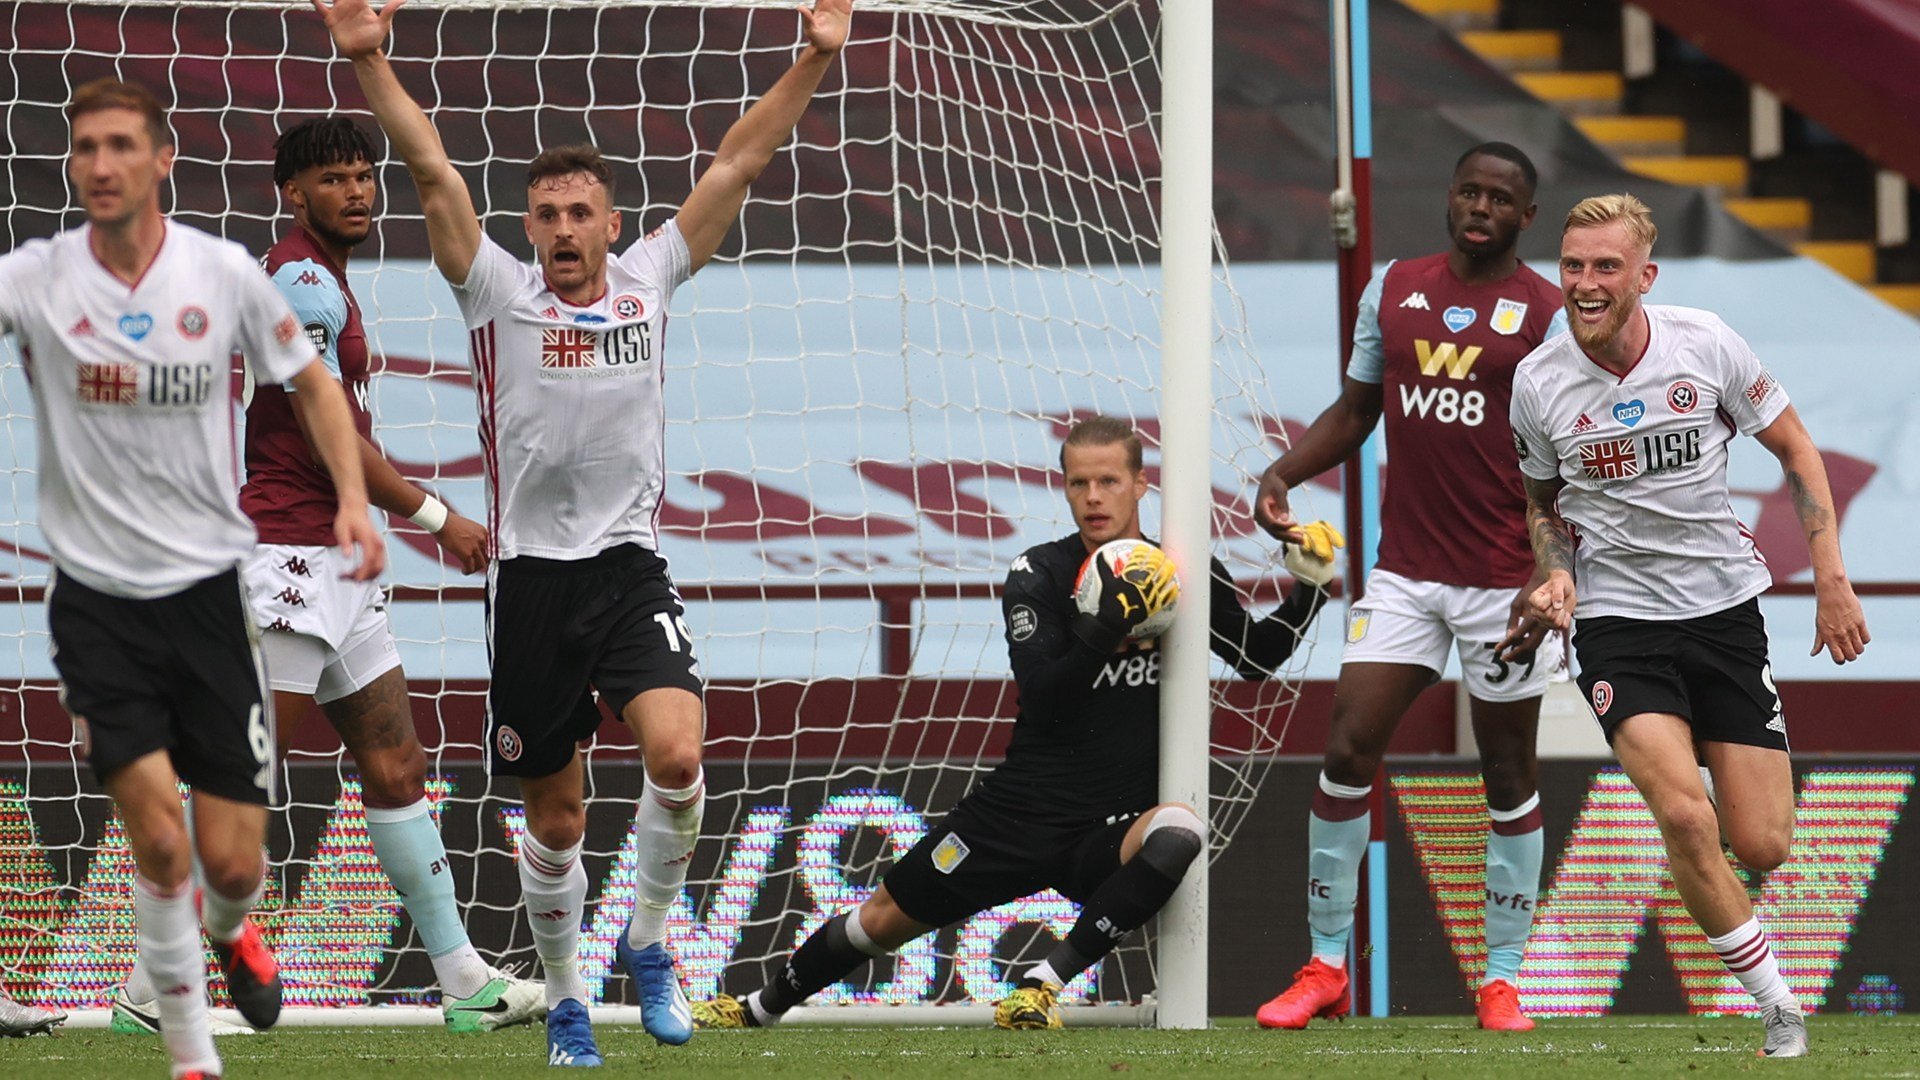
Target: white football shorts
{"type": "Point", "coordinates": [1404, 621]}
{"type": "Point", "coordinates": [322, 634]}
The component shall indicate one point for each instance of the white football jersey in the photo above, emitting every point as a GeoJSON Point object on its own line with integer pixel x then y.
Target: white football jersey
{"type": "Point", "coordinates": [571, 398]}
{"type": "Point", "coordinates": [139, 475]}
{"type": "Point", "coordinates": [1644, 457]}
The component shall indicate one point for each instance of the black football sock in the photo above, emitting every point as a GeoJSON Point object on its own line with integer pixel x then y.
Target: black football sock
{"type": "Point", "coordinates": [827, 956]}
{"type": "Point", "coordinates": [1124, 902]}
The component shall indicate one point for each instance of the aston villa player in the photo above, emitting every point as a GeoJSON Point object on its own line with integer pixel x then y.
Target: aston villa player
{"type": "Point", "coordinates": [1434, 350]}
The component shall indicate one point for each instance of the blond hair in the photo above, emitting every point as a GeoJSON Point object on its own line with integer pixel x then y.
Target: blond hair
{"type": "Point", "coordinates": [1599, 210]}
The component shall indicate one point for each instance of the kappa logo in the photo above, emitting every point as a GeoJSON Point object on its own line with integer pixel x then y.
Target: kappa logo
{"type": "Point", "coordinates": [307, 277]}
{"type": "Point", "coordinates": [506, 742]}
{"type": "Point", "coordinates": [296, 565]}
{"type": "Point", "coordinates": [281, 625]}
{"type": "Point", "coordinates": [1417, 301]}
{"type": "Point", "coordinates": [1584, 424]}
{"type": "Point", "coordinates": [1682, 397]}
{"type": "Point", "coordinates": [1602, 697]}
{"type": "Point", "coordinates": [83, 328]}
{"type": "Point", "coordinates": [291, 597]}
{"type": "Point", "coordinates": [1022, 565]}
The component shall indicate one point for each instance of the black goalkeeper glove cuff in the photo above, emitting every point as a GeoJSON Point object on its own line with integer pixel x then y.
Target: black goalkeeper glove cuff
{"type": "Point", "coordinates": [1096, 634]}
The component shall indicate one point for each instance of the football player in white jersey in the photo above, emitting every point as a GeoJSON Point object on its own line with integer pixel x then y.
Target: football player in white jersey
{"type": "Point", "coordinates": [127, 326]}
{"type": "Point", "coordinates": [567, 365]}
{"type": "Point", "coordinates": [1622, 430]}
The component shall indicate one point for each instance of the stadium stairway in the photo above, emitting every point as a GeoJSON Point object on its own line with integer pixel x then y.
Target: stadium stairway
{"type": "Point", "coordinates": [1668, 110]}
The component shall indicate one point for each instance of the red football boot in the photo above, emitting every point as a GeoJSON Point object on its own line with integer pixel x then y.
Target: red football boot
{"type": "Point", "coordinates": [1498, 1008]}
{"type": "Point", "coordinates": [1319, 991]}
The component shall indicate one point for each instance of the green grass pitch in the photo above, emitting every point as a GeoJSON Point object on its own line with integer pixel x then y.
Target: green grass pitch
{"type": "Point", "coordinates": [1428, 1048]}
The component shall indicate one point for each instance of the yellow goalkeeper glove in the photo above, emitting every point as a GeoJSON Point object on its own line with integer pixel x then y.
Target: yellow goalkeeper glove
{"type": "Point", "coordinates": [1311, 560]}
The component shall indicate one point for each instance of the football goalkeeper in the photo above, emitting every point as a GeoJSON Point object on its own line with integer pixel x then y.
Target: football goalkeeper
{"type": "Point", "coordinates": [1074, 806]}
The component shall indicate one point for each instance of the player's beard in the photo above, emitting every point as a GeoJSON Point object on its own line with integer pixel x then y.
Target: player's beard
{"type": "Point", "coordinates": [337, 238]}
{"type": "Point", "coordinates": [1598, 337]}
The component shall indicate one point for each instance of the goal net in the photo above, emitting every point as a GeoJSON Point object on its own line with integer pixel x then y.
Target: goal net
{"type": "Point", "coordinates": [955, 257]}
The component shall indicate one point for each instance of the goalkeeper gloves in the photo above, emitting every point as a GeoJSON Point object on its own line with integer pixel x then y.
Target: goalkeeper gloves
{"type": "Point", "coordinates": [1311, 560]}
{"type": "Point", "coordinates": [1125, 591]}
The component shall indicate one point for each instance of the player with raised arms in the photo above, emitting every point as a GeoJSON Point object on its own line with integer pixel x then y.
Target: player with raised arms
{"type": "Point", "coordinates": [325, 637]}
{"type": "Point", "coordinates": [127, 326]}
{"type": "Point", "coordinates": [567, 363]}
{"type": "Point", "coordinates": [1074, 805]}
{"type": "Point", "coordinates": [1623, 430]}
{"type": "Point", "coordinates": [1434, 348]}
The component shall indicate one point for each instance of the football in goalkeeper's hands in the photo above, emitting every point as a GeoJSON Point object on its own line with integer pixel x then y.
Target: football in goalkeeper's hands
{"type": "Point", "coordinates": [1131, 586]}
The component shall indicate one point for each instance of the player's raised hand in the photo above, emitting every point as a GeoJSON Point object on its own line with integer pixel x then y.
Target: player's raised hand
{"type": "Point", "coordinates": [826, 23]}
{"type": "Point", "coordinates": [465, 540]}
{"type": "Point", "coordinates": [1839, 626]}
{"type": "Point", "coordinates": [1553, 601]}
{"type": "Point", "coordinates": [353, 531]}
{"type": "Point", "coordinates": [358, 30]}
{"type": "Point", "coordinates": [1271, 511]}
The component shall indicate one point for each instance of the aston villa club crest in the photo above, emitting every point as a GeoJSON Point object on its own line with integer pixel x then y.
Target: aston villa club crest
{"type": "Point", "coordinates": [1508, 317]}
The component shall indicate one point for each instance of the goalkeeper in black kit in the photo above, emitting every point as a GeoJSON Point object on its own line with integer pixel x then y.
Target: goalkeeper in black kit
{"type": "Point", "coordinates": [1075, 805]}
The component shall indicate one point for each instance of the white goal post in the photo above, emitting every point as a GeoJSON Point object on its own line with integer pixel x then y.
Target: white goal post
{"type": "Point", "coordinates": [995, 219]}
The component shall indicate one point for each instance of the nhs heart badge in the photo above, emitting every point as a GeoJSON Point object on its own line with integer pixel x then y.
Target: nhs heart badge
{"type": "Point", "coordinates": [136, 326]}
{"type": "Point", "coordinates": [1630, 412]}
{"type": "Point", "coordinates": [1458, 318]}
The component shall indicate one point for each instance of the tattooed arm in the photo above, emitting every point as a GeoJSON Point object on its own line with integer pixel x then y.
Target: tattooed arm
{"type": "Point", "coordinates": [1552, 603]}
{"type": "Point", "coordinates": [1839, 626]}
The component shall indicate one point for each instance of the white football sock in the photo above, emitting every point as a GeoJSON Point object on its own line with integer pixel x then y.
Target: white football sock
{"type": "Point", "coordinates": [666, 827]}
{"type": "Point", "coordinates": [1747, 953]}
{"type": "Point", "coordinates": [555, 886]}
{"type": "Point", "coordinates": [223, 916]}
{"type": "Point", "coordinates": [169, 935]}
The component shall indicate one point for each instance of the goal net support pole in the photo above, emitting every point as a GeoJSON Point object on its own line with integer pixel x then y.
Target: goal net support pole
{"type": "Point", "coordinates": [1186, 402]}
{"type": "Point", "coordinates": [1352, 208]}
